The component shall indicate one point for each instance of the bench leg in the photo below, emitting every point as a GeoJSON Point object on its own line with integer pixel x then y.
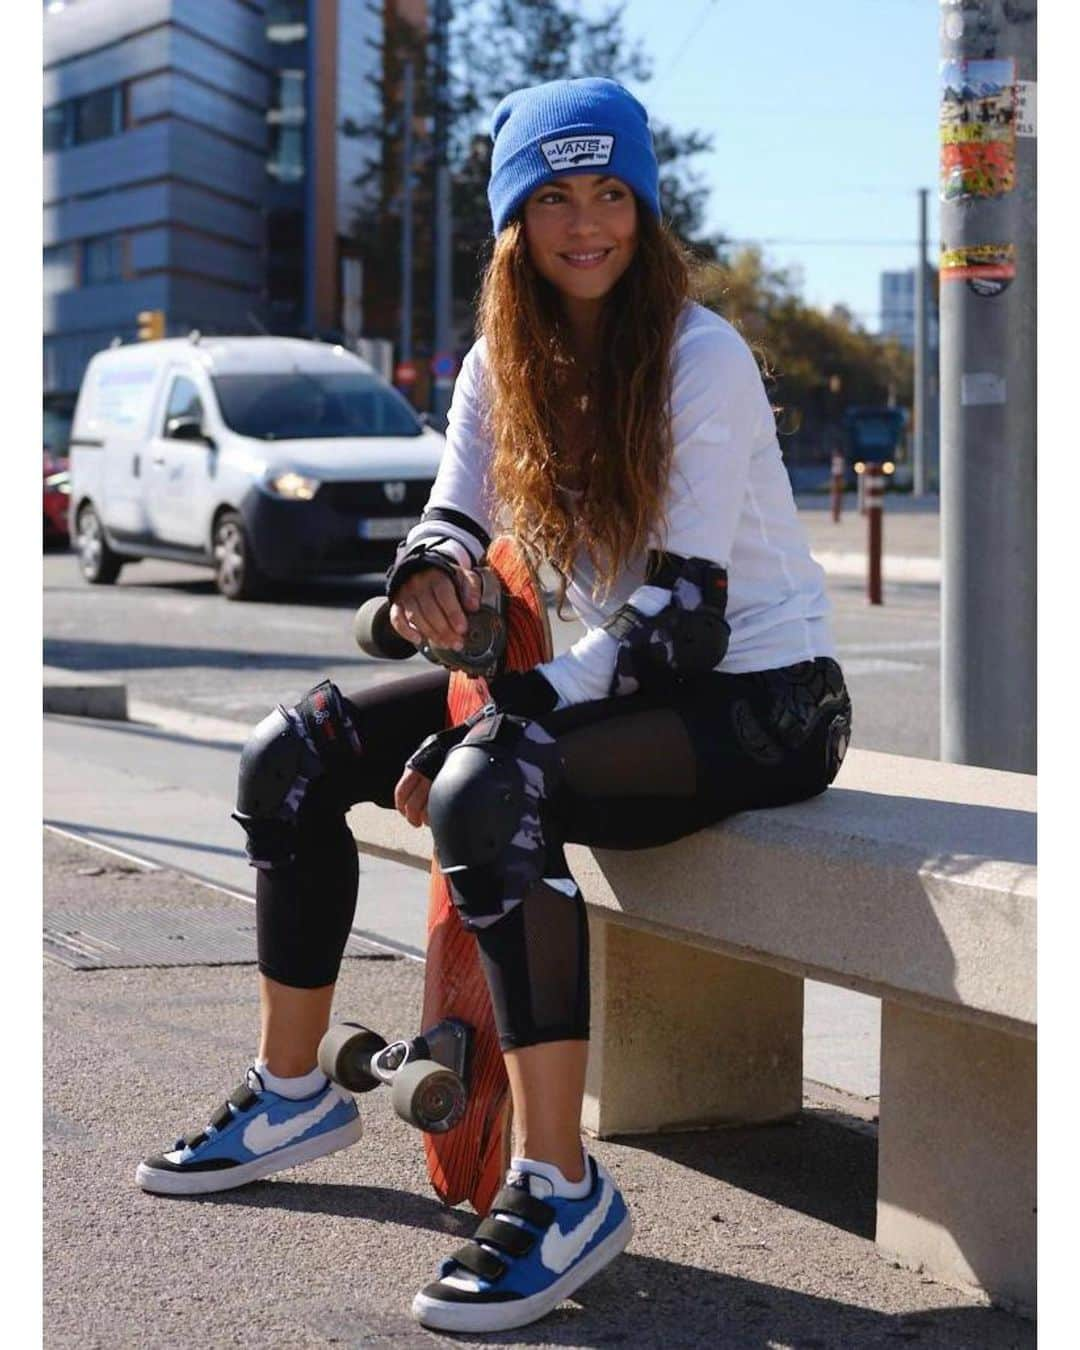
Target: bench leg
{"type": "Point", "coordinates": [956, 1163]}
{"type": "Point", "coordinates": [684, 1038]}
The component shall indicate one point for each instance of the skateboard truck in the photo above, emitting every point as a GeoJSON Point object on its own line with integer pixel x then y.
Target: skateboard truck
{"type": "Point", "coordinates": [427, 1076]}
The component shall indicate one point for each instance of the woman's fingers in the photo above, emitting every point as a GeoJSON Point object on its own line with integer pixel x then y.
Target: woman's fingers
{"type": "Point", "coordinates": [411, 796]}
{"type": "Point", "coordinates": [471, 589]}
{"type": "Point", "coordinates": [400, 624]}
{"type": "Point", "coordinates": [428, 606]}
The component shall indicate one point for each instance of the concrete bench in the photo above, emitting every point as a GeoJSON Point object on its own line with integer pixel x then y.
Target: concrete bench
{"type": "Point", "coordinates": [910, 880]}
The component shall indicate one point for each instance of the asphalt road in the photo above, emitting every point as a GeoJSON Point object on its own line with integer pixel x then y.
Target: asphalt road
{"type": "Point", "coordinates": [165, 631]}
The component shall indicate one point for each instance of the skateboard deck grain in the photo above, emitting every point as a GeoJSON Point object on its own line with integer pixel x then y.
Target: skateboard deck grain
{"type": "Point", "coordinates": [468, 1162]}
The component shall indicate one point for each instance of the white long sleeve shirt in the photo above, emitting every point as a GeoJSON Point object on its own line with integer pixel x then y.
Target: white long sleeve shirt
{"type": "Point", "coordinates": [728, 500]}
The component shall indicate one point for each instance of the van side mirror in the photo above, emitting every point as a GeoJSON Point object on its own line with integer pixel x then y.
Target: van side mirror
{"type": "Point", "coordinates": [187, 429]}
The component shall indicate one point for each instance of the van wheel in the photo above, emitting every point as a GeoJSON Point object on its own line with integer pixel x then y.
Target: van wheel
{"type": "Point", "coordinates": [99, 565]}
{"type": "Point", "coordinates": [235, 573]}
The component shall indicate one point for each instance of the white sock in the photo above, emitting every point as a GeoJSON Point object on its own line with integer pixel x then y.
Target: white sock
{"type": "Point", "coordinates": [303, 1086]}
{"type": "Point", "coordinates": [565, 1190]}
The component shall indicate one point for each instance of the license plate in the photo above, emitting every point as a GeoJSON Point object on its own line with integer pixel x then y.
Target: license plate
{"type": "Point", "coordinates": [386, 527]}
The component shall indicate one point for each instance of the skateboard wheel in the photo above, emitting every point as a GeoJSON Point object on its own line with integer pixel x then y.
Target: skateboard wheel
{"type": "Point", "coordinates": [345, 1056]}
{"type": "Point", "coordinates": [428, 1096]}
{"type": "Point", "coordinates": [376, 635]}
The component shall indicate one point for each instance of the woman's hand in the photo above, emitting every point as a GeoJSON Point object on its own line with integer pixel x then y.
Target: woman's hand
{"type": "Point", "coordinates": [432, 605]}
{"type": "Point", "coordinates": [411, 795]}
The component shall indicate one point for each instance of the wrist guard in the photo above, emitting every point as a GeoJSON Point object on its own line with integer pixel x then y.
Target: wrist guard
{"type": "Point", "coordinates": [408, 561]}
{"type": "Point", "coordinates": [485, 636]}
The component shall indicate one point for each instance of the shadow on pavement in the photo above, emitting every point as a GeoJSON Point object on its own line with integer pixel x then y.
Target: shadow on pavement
{"type": "Point", "coordinates": [76, 654]}
{"type": "Point", "coordinates": [809, 1164]}
{"type": "Point", "coordinates": [326, 592]}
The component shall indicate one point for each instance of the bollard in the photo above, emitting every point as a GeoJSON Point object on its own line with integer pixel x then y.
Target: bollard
{"type": "Point", "coordinates": [837, 485]}
{"type": "Point", "coordinates": [873, 486]}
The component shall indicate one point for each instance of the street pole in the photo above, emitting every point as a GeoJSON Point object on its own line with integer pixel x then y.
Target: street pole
{"type": "Point", "coordinates": [443, 337]}
{"type": "Point", "coordinates": [988, 268]}
{"type": "Point", "coordinates": [922, 430]}
{"type": "Point", "coordinates": [405, 341]}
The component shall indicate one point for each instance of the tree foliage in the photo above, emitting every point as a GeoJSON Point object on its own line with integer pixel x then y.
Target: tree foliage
{"type": "Point", "coordinates": [497, 46]}
{"type": "Point", "coordinates": [815, 363]}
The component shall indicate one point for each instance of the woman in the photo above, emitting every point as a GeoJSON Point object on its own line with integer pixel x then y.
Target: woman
{"type": "Point", "coordinates": [623, 433]}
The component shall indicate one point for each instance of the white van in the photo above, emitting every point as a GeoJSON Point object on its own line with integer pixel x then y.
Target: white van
{"type": "Point", "coordinates": [265, 458]}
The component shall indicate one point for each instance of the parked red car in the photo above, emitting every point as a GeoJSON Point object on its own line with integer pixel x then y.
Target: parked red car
{"type": "Point", "coordinates": [57, 495]}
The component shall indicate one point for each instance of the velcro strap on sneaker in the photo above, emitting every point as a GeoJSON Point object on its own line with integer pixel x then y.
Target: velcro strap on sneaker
{"type": "Point", "coordinates": [195, 1138]}
{"type": "Point", "coordinates": [513, 1200]}
{"type": "Point", "coordinates": [221, 1116]}
{"type": "Point", "coordinates": [242, 1097]}
{"type": "Point", "coordinates": [485, 1264]}
{"type": "Point", "coordinates": [508, 1237]}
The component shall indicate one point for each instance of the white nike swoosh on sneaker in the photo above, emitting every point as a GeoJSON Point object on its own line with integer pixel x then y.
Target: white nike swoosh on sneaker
{"type": "Point", "coordinates": [260, 1136]}
{"type": "Point", "coordinates": [559, 1250]}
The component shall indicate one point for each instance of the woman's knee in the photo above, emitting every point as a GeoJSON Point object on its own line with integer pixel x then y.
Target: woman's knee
{"type": "Point", "coordinates": [487, 813]}
{"type": "Point", "coordinates": [285, 772]}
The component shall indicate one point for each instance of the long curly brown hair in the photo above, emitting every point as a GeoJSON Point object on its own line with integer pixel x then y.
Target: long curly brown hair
{"type": "Point", "coordinates": [603, 433]}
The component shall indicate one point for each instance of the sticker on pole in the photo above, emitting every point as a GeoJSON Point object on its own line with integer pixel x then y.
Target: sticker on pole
{"type": "Point", "coordinates": [988, 269]}
{"type": "Point", "coordinates": [1026, 115]}
{"type": "Point", "coordinates": [977, 129]}
{"type": "Point", "coordinates": [981, 389]}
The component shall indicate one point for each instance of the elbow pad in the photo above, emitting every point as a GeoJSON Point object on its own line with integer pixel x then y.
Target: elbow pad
{"type": "Point", "coordinates": [687, 636]}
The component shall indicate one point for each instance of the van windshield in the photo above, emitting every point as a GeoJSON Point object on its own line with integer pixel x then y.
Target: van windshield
{"type": "Point", "coordinates": [297, 406]}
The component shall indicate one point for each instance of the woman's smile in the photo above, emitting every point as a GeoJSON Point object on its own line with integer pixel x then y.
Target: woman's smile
{"type": "Point", "coordinates": [592, 258]}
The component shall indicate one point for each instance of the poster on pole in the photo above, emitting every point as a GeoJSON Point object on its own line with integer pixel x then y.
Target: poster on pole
{"type": "Point", "coordinates": [978, 129]}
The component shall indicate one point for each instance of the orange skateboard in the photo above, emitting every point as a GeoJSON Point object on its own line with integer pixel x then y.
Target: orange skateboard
{"type": "Point", "coordinates": [450, 1081]}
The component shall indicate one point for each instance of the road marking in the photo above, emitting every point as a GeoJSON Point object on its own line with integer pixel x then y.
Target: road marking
{"type": "Point", "coordinates": [879, 666]}
{"type": "Point", "coordinates": [387, 944]}
{"type": "Point", "coordinates": [105, 848]}
{"type": "Point", "coordinates": [865, 648]}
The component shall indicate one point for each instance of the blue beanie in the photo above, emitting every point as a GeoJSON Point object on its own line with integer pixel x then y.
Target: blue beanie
{"type": "Point", "coordinates": [569, 126]}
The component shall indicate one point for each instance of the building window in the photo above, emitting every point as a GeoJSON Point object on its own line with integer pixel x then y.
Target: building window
{"type": "Point", "coordinates": [288, 101]}
{"type": "Point", "coordinates": [60, 126]}
{"type": "Point", "coordinates": [286, 161]}
{"type": "Point", "coordinates": [286, 20]}
{"type": "Point", "coordinates": [104, 260]}
{"type": "Point", "coordinates": [80, 120]}
{"type": "Point", "coordinates": [60, 264]}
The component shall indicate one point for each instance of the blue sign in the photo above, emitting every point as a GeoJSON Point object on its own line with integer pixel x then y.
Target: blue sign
{"type": "Point", "coordinates": [442, 365]}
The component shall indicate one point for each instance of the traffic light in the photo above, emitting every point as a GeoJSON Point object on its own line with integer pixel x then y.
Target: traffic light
{"type": "Point", "coordinates": [151, 325]}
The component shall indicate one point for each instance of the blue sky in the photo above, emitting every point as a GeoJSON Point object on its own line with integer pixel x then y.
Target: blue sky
{"type": "Point", "coordinates": [824, 117]}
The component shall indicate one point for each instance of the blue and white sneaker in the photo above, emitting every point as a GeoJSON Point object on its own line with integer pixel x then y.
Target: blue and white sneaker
{"type": "Point", "coordinates": [255, 1133]}
{"type": "Point", "coordinates": [532, 1251]}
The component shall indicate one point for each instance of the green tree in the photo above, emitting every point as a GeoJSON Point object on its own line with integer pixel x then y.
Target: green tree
{"type": "Point", "coordinates": [500, 45]}
{"type": "Point", "coordinates": [496, 46]}
{"type": "Point", "coordinates": [815, 363]}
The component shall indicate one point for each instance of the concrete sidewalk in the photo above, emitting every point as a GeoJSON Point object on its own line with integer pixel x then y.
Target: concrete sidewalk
{"type": "Point", "coordinates": [744, 1238]}
{"type": "Point", "coordinates": [910, 537]}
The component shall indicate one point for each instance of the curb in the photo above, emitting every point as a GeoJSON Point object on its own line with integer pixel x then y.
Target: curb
{"type": "Point", "coordinates": [894, 567]}
{"type": "Point", "coordinates": [74, 694]}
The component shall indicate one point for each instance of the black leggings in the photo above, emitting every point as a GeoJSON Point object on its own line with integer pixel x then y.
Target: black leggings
{"type": "Point", "coordinates": [637, 771]}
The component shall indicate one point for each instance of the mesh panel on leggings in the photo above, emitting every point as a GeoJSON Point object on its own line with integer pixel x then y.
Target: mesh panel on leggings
{"type": "Point", "coordinates": [536, 959]}
{"type": "Point", "coordinates": [644, 754]}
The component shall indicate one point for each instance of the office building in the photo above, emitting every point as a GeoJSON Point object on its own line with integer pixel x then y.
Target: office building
{"type": "Point", "coordinates": [898, 308]}
{"type": "Point", "coordinates": [206, 159]}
